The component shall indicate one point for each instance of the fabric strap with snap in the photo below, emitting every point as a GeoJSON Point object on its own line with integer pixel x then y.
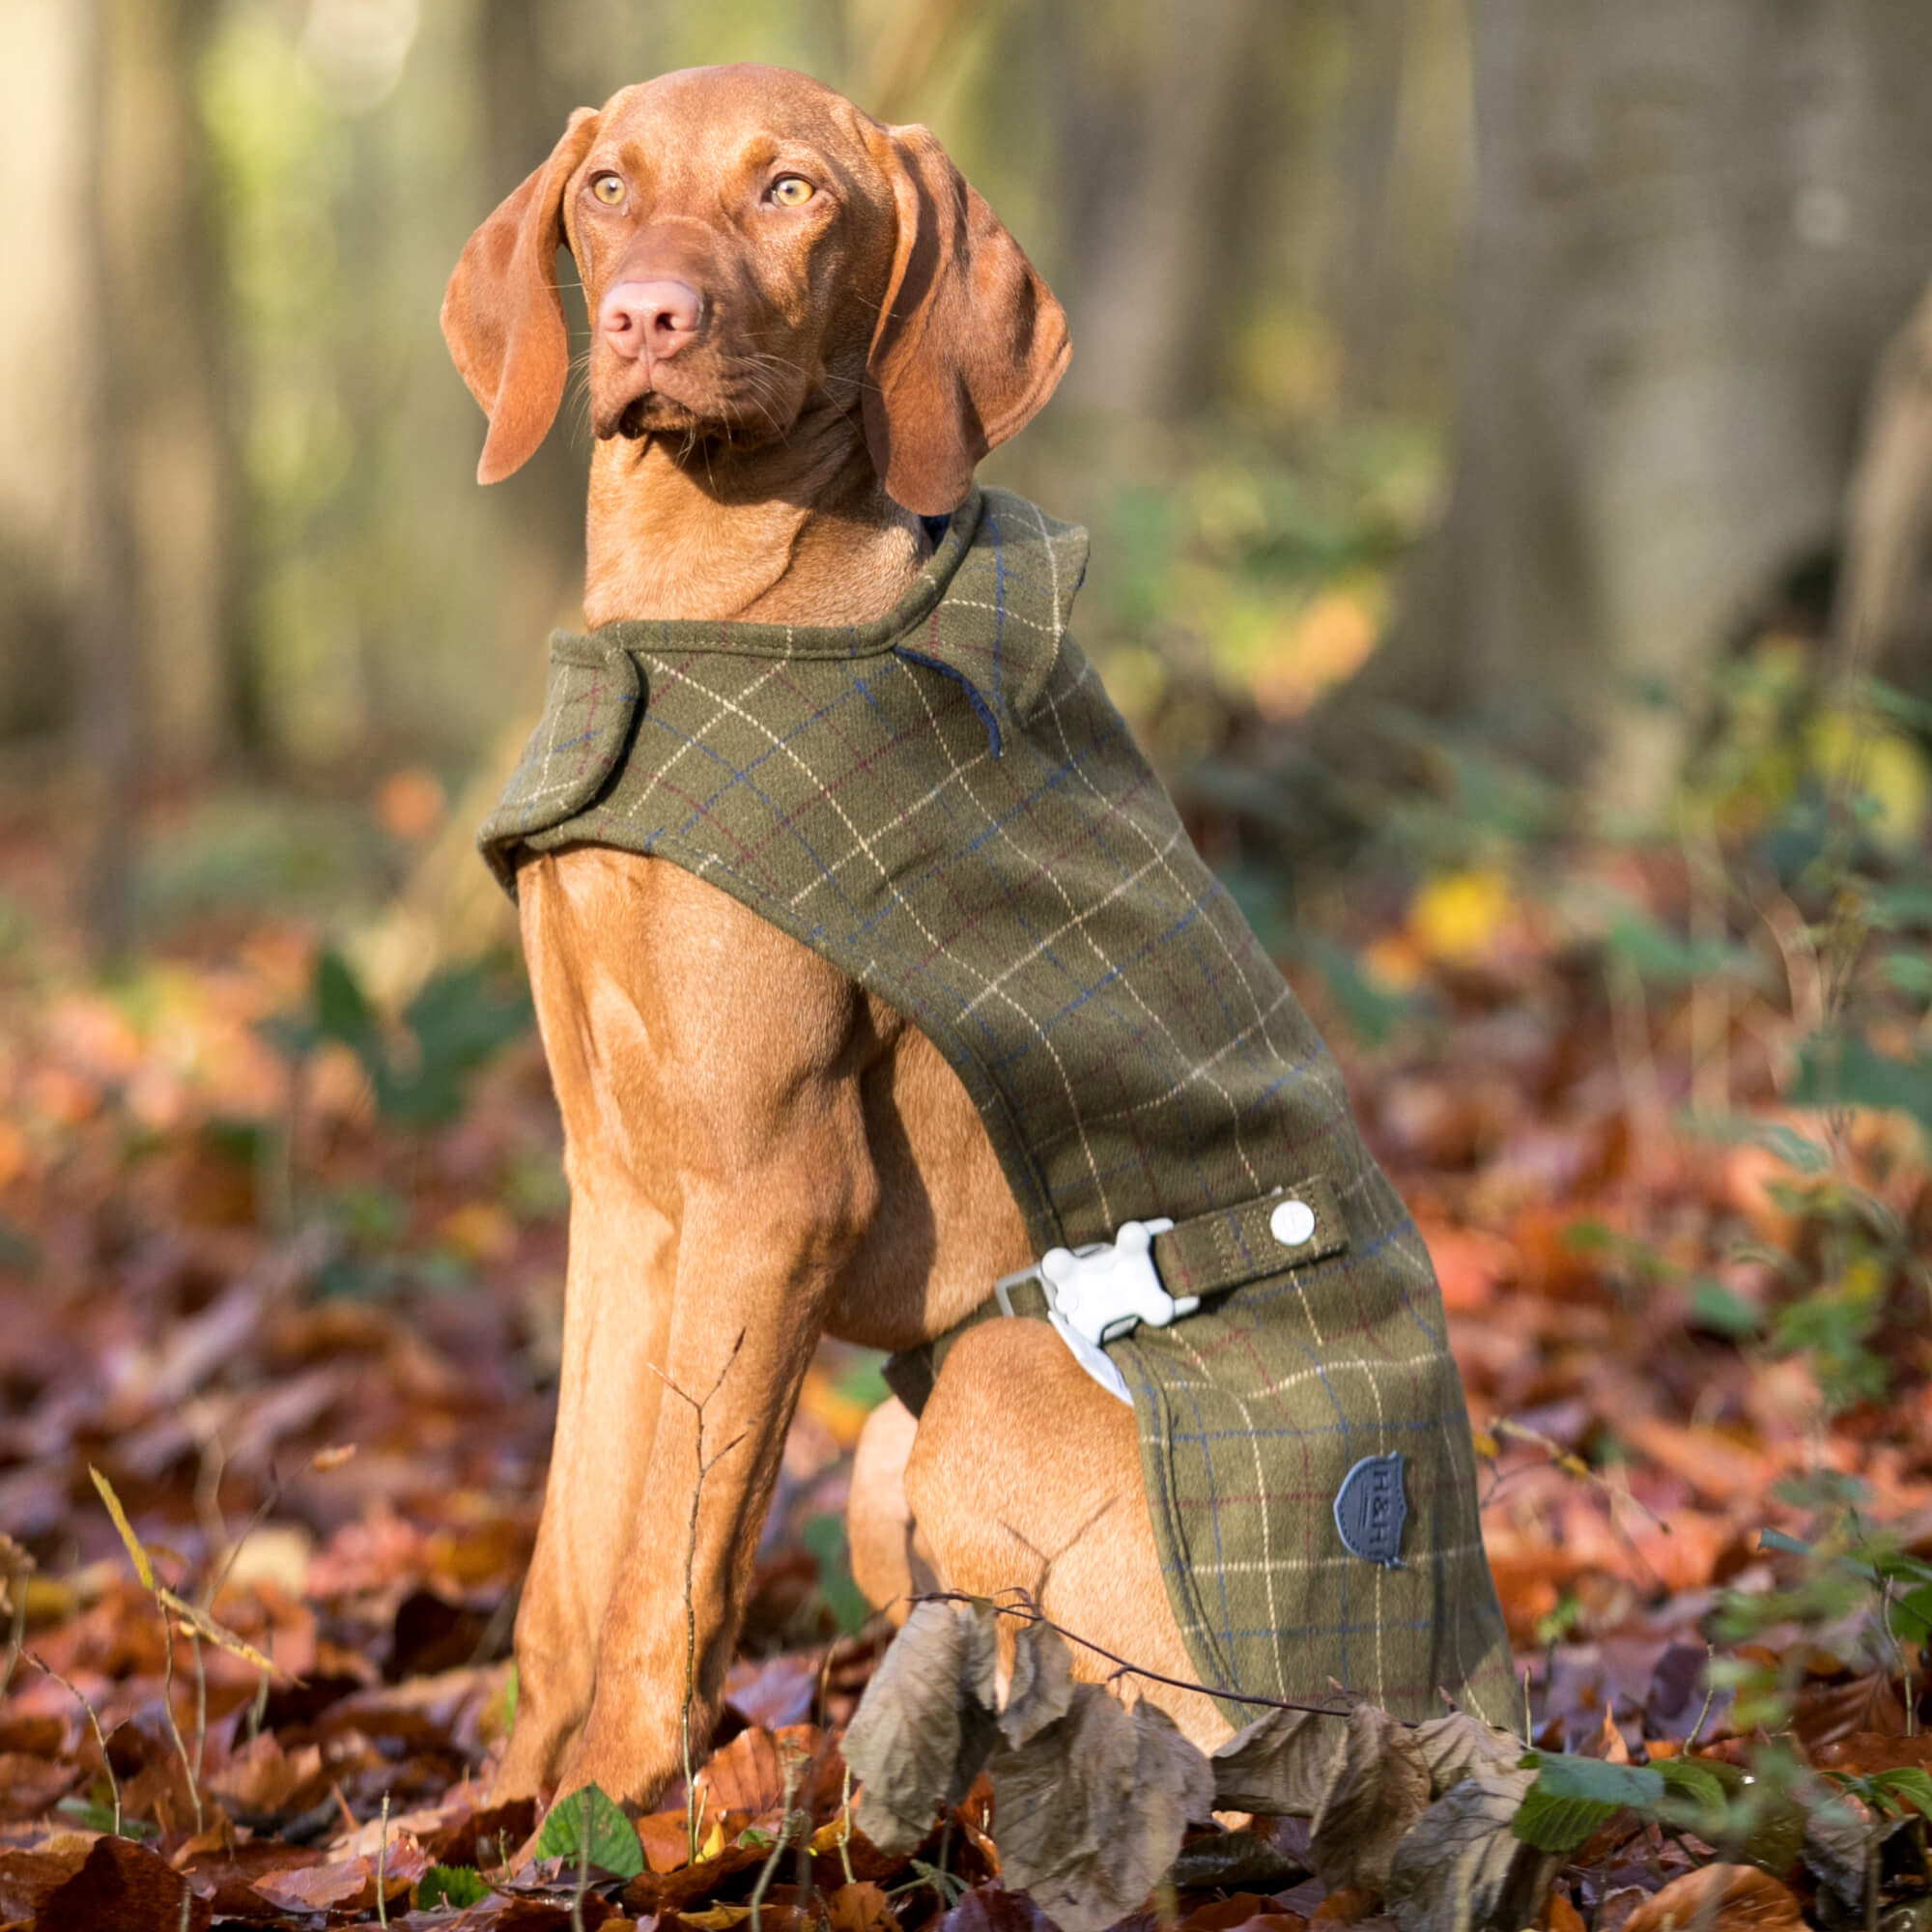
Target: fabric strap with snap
{"type": "Point", "coordinates": [1156, 1271]}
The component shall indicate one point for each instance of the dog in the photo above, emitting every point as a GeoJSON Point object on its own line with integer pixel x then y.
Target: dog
{"type": "Point", "coordinates": [807, 329]}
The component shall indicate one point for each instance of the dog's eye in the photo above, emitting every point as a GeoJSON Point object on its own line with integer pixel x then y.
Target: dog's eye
{"type": "Point", "coordinates": [608, 189]}
{"type": "Point", "coordinates": [792, 191]}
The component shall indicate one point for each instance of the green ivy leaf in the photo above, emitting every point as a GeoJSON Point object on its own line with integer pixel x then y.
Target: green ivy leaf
{"type": "Point", "coordinates": [614, 1845]}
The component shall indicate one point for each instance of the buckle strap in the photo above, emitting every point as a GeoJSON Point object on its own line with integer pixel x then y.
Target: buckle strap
{"type": "Point", "coordinates": [1205, 1254]}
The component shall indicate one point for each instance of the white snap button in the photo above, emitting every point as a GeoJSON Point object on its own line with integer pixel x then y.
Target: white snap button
{"type": "Point", "coordinates": [1292, 1223]}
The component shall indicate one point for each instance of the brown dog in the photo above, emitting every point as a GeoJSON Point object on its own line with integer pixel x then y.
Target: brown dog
{"type": "Point", "coordinates": [807, 330]}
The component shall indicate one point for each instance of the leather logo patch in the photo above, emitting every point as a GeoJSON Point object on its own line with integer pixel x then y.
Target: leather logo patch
{"type": "Point", "coordinates": [1370, 1509]}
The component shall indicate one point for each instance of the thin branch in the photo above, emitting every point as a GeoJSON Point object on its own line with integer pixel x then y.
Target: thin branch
{"type": "Point", "coordinates": [794, 1761]}
{"type": "Point", "coordinates": [74, 1692]}
{"type": "Point", "coordinates": [1028, 1612]}
{"type": "Point", "coordinates": [382, 1869]}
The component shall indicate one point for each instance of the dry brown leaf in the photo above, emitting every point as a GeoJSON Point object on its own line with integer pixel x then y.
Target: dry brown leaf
{"type": "Point", "coordinates": [1718, 1898]}
{"type": "Point", "coordinates": [861, 1907]}
{"type": "Point", "coordinates": [123, 1888]}
{"type": "Point", "coordinates": [1348, 1905]}
{"type": "Point", "coordinates": [1560, 1915]}
{"type": "Point", "coordinates": [1377, 1788]}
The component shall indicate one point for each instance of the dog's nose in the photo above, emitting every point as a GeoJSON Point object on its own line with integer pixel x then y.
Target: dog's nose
{"type": "Point", "coordinates": [655, 319]}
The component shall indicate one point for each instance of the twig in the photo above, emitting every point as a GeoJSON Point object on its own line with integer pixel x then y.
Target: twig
{"type": "Point", "coordinates": [168, 1708]}
{"type": "Point", "coordinates": [704, 1469]}
{"type": "Point", "coordinates": [846, 1828]}
{"type": "Point", "coordinates": [1027, 1611]}
{"type": "Point", "coordinates": [200, 1707]}
{"type": "Point", "coordinates": [1710, 1695]}
{"type": "Point", "coordinates": [794, 1757]}
{"type": "Point", "coordinates": [382, 1869]}
{"type": "Point", "coordinates": [100, 1737]}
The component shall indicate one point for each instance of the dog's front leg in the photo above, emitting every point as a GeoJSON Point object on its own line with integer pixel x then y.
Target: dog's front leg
{"type": "Point", "coordinates": [708, 1069]}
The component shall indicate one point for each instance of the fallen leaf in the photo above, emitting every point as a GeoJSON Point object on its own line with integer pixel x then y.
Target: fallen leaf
{"type": "Point", "coordinates": [922, 1731]}
{"type": "Point", "coordinates": [991, 1908]}
{"type": "Point", "coordinates": [123, 1888]}
{"type": "Point", "coordinates": [1560, 1915]}
{"type": "Point", "coordinates": [1348, 1905]}
{"type": "Point", "coordinates": [1461, 1869]}
{"type": "Point", "coordinates": [1718, 1898]}
{"type": "Point", "coordinates": [1458, 1745]}
{"type": "Point", "coordinates": [861, 1907]}
{"type": "Point", "coordinates": [1042, 1687]}
{"type": "Point", "coordinates": [1092, 1809]}
{"type": "Point", "coordinates": [1280, 1765]}
{"type": "Point", "coordinates": [1377, 1788]}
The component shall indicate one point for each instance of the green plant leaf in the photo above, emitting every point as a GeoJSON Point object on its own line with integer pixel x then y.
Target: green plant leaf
{"type": "Point", "coordinates": [450, 1885]}
{"type": "Point", "coordinates": [1796, 1150]}
{"type": "Point", "coordinates": [1908, 1785]}
{"type": "Point", "coordinates": [1573, 1796]}
{"type": "Point", "coordinates": [1776, 1539]}
{"type": "Point", "coordinates": [1716, 1308]}
{"type": "Point", "coordinates": [342, 1011]}
{"type": "Point", "coordinates": [1841, 1070]}
{"type": "Point", "coordinates": [614, 1845]}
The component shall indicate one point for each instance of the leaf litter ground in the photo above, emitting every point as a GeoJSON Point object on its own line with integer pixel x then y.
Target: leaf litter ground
{"type": "Point", "coordinates": [309, 1343]}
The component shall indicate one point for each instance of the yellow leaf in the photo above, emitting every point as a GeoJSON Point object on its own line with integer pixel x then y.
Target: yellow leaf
{"type": "Point", "coordinates": [718, 1918]}
{"type": "Point", "coordinates": [1881, 764]}
{"type": "Point", "coordinates": [829, 1837]}
{"type": "Point", "coordinates": [143, 1569]}
{"type": "Point", "coordinates": [713, 1844]}
{"type": "Point", "coordinates": [205, 1625]}
{"type": "Point", "coordinates": [1458, 918]}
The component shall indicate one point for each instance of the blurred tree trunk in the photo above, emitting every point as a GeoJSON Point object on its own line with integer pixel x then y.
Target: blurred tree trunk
{"type": "Point", "coordinates": [1885, 590]}
{"type": "Point", "coordinates": [43, 50]}
{"type": "Point", "coordinates": [106, 631]}
{"type": "Point", "coordinates": [116, 284]}
{"type": "Point", "coordinates": [176, 429]}
{"type": "Point", "coordinates": [1693, 230]}
{"type": "Point", "coordinates": [1150, 154]}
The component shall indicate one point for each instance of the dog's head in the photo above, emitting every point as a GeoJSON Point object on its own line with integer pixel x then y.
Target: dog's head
{"type": "Point", "coordinates": [750, 243]}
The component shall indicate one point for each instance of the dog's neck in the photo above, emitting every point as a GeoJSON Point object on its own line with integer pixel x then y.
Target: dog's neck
{"type": "Point", "coordinates": [793, 533]}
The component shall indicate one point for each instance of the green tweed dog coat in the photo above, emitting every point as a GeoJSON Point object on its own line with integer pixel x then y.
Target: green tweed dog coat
{"type": "Point", "coordinates": [945, 803]}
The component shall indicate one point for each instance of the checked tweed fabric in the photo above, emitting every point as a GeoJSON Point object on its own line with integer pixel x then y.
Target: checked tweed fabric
{"type": "Point", "coordinates": [946, 804]}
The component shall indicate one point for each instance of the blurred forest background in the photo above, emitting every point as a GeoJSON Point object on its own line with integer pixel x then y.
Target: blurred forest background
{"type": "Point", "coordinates": [1528, 345]}
{"type": "Point", "coordinates": [1506, 431]}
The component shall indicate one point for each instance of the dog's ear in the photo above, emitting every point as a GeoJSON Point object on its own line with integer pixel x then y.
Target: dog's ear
{"type": "Point", "coordinates": [970, 341]}
{"type": "Point", "coordinates": [502, 316]}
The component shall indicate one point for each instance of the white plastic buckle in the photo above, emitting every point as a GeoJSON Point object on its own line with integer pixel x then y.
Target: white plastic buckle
{"type": "Point", "coordinates": [1100, 1292]}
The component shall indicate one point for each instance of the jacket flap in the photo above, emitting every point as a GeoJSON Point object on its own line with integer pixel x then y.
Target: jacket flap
{"type": "Point", "coordinates": [590, 710]}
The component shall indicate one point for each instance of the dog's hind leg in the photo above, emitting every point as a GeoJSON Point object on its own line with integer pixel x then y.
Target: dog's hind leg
{"type": "Point", "coordinates": [1026, 1476]}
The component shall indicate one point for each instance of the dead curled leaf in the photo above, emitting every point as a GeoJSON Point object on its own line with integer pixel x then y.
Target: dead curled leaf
{"type": "Point", "coordinates": [1092, 1810]}
{"type": "Point", "coordinates": [1280, 1765]}
{"type": "Point", "coordinates": [1718, 1898]}
{"type": "Point", "coordinates": [924, 1728]}
{"type": "Point", "coordinates": [1460, 1867]}
{"type": "Point", "coordinates": [1042, 1683]}
{"type": "Point", "coordinates": [1377, 1788]}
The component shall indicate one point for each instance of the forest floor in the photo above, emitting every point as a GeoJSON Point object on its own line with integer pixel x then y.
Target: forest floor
{"type": "Point", "coordinates": [281, 1278]}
